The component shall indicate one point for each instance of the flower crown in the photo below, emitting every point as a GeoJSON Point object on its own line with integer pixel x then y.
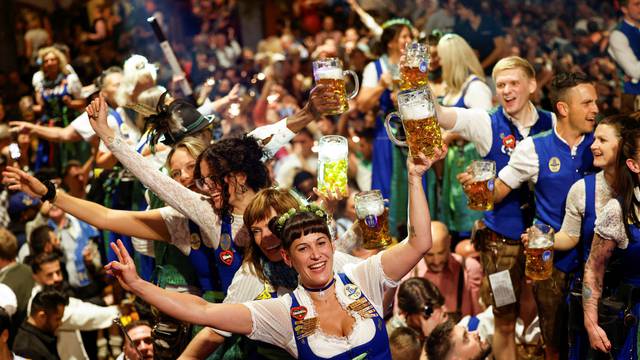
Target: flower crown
{"type": "Point", "coordinates": [311, 208]}
{"type": "Point", "coordinates": [397, 21]}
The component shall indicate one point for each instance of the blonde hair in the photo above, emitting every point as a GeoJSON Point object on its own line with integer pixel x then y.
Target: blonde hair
{"type": "Point", "coordinates": [135, 68]}
{"type": "Point", "coordinates": [149, 99]}
{"type": "Point", "coordinates": [62, 59]}
{"type": "Point", "coordinates": [193, 144]}
{"type": "Point", "coordinates": [514, 62]}
{"type": "Point", "coordinates": [458, 62]}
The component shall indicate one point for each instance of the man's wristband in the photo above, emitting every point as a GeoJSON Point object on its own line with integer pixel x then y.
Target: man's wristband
{"type": "Point", "coordinates": [51, 192]}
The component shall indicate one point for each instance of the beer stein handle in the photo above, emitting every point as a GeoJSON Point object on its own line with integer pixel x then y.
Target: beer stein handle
{"type": "Point", "coordinates": [356, 83]}
{"type": "Point", "coordinates": [387, 127]}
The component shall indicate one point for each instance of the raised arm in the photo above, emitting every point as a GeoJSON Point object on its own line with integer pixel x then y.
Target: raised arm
{"type": "Point", "coordinates": [235, 318]}
{"type": "Point", "coordinates": [398, 260]}
{"type": "Point", "coordinates": [49, 133]}
{"type": "Point", "coordinates": [142, 224]}
{"type": "Point", "coordinates": [191, 204]}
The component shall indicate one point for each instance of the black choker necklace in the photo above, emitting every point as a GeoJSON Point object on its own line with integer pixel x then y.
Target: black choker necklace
{"type": "Point", "coordinates": [321, 289]}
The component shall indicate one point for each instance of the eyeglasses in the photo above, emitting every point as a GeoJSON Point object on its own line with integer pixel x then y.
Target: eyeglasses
{"type": "Point", "coordinates": [206, 183]}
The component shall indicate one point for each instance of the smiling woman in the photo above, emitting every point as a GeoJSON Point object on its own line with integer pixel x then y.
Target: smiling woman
{"type": "Point", "coordinates": [329, 315]}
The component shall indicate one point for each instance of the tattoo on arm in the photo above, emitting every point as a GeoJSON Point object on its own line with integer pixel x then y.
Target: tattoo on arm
{"type": "Point", "coordinates": [601, 251]}
{"type": "Point", "coordinates": [412, 231]}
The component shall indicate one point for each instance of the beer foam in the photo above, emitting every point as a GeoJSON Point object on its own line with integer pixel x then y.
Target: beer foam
{"type": "Point", "coordinates": [333, 152]}
{"type": "Point", "coordinates": [369, 208]}
{"type": "Point", "coordinates": [328, 73]}
{"type": "Point", "coordinates": [540, 242]}
{"type": "Point", "coordinates": [417, 111]}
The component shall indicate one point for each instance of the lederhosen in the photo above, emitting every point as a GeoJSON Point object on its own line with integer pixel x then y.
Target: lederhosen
{"type": "Point", "coordinates": [558, 170]}
{"type": "Point", "coordinates": [497, 236]}
{"type": "Point", "coordinates": [376, 348]}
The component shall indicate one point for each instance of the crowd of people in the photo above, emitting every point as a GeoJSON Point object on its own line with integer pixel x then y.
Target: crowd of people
{"type": "Point", "coordinates": [139, 220]}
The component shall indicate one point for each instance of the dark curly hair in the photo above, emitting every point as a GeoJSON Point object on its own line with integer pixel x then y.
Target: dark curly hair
{"type": "Point", "coordinates": [235, 155]}
{"type": "Point", "coordinates": [298, 225]}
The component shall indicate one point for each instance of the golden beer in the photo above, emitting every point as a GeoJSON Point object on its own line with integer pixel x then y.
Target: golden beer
{"type": "Point", "coordinates": [480, 191]}
{"type": "Point", "coordinates": [375, 231]}
{"type": "Point", "coordinates": [423, 135]}
{"type": "Point", "coordinates": [336, 88]}
{"type": "Point", "coordinates": [333, 154]}
{"type": "Point", "coordinates": [539, 262]}
{"type": "Point", "coordinates": [329, 73]}
{"type": "Point", "coordinates": [373, 219]}
{"type": "Point", "coordinates": [480, 195]}
{"type": "Point", "coordinates": [412, 77]}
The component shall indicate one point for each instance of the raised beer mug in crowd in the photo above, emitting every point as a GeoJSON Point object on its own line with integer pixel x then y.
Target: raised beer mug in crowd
{"type": "Point", "coordinates": [373, 219]}
{"type": "Point", "coordinates": [414, 69]}
{"type": "Point", "coordinates": [480, 191]}
{"type": "Point", "coordinates": [333, 152]}
{"type": "Point", "coordinates": [329, 73]}
{"type": "Point", "coordinates": [418, 115]}
{"type": "Point", "coordinates": [539, 252]}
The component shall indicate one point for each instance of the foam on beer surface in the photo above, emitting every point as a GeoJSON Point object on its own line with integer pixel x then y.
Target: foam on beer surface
{"type": "Point", "coordinates": [539, 242]}
{"type": "Point", "coordinates": [333, 152]}
{"type": "Point", "coordinates": [416, 111]}
{"type": "Point", "coordinates": [375, 208]}
{"type": "Point", "coordinates": [328, 73]}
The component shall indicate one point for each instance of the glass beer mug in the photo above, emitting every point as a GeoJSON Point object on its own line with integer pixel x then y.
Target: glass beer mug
{"type": "Point", "coordinates": [373, 219]}
{"type": "Point", "coordinates": [539, 253]}
{"type": "Point", "coordinates": [329, 73]}
{"type": "Point", "coordinates": [414, 69]}
{"type": "Point", "coordinates": [418, 116]}
{"type": "Point", "coordinates": [480, 191]}
{"type": "Point", "coordinates": [333, 152]}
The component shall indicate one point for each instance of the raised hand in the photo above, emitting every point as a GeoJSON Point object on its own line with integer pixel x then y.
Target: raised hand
{"type": "Point", "coordinates": [329, 199]}
{"type": "Point", "coordinates": [417, 167]}
{"type": "Point", "coordinates": [98, 111]}
{"type": "Point", "coordinates": [21, 126]}
{"type": "Point", "coordinates": [19, 180]}
{"type": "Point", "coordinates": [124, 269]}
{"type": "Point", "coordinates": [320, 102]}
{"type": "Point", "coordinates": [465, 178]}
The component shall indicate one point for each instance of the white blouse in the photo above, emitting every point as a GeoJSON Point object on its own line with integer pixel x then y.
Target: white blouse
{"type": "Point", "coordinates": [611, 226]}
{"type": "Point", "coordinates": [272, 318]}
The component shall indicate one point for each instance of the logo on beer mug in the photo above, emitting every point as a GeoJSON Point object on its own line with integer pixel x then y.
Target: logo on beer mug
{"type": "Point", "coordinates": [539, 254]}
{"type": "Point", "coordinates": [371, 212]}
{"type": "Point", "coordinates": [480, 191]}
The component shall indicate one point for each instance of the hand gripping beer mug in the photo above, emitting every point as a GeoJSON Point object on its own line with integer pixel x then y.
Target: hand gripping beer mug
{"type": "Point", "coordinates": [414, 69]}
{"type": "Point", "coordinates": [373, 219]}
{"type": "Point", "coordinates": [480, 191]}
{"type": "Point", "coordinates": [419, 120]}
{"type": "Point", "coordinates": [332, 164]}
{"type": "Point", "coordinates": [329, 73]}
{"type": "Point", "coordinates": [539, 253]}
